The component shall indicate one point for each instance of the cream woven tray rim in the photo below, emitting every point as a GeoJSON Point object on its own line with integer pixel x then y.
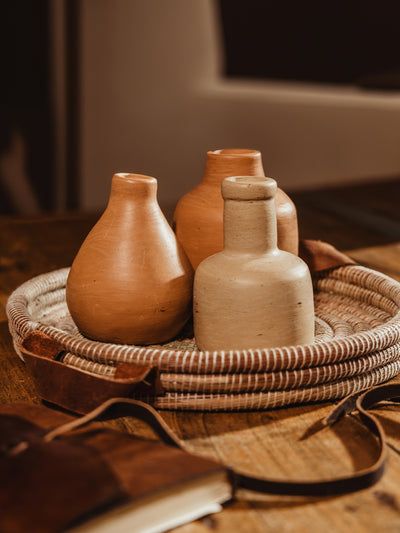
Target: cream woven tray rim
{"type": "Point", "coordinates": [281, 398]}
{"type": "Point", "coordinates": [194, 361]}
{"type": "Point", "coordinates": [239, 383]}
{"type": "Point", "coordinates": [380, 295]}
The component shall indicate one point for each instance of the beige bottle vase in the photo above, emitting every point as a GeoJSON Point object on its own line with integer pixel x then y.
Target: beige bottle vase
{"type": "Point", "coordinates": [131, 282]}
{"type": "Point", "coordinates": [251, 294]}
{"type": "Point", "coordinates": [198, 217]}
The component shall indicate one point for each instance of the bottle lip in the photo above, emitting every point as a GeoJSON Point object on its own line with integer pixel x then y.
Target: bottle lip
{"type": "Point", "coordinates": [133, 178]}
{"type": "Point", "coordinates": [234, 152]}
{"type": "Point", "coordinates": [248, 188]}
{"type": "Point", "coordinates": [141, 186]}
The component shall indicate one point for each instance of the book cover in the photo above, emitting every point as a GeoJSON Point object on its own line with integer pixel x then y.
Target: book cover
{"type": "Point", "coordinates": [97, 479]}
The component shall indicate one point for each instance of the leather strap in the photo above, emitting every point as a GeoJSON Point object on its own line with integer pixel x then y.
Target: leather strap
{"type": "Point", "coordinates": [340, 485]}
{"type": "Point", "coordinates": [119, 407]}
{"type": "Point", "coordinates": [78, 390]}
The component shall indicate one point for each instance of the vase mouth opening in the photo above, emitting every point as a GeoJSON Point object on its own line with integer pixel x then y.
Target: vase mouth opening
{"type": "Point", "coordinates": [235, 152]}
{"type": "Point", "coordinates": [134, 178]}
{"type": "Point", "coordinates": [248, 188]}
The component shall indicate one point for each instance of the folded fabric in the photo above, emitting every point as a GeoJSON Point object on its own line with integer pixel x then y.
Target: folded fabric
{"type": "Point", "coordinates": [320, 255]}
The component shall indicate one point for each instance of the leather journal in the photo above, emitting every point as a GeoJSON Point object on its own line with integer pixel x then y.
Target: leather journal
{"type": "Point", "coordinates": [98, 479]}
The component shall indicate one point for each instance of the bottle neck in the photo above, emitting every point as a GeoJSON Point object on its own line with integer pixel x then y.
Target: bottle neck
{"type": "Point", "coordinates": [134, 189]}
{"type": "Point", "coordinates": [250, 226]}
{"type": "Point", "coordinates": [225, 163]}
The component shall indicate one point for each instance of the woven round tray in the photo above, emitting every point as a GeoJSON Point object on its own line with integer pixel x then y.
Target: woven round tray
{"type": "Point", "coordinates": [357, 345]}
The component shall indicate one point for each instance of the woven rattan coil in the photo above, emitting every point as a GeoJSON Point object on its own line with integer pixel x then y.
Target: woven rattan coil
{"type": "Point", "coordinates": [357, 317]}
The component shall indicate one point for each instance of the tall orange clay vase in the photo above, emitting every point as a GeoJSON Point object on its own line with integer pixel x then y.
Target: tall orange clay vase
{"type": "Point", "coordinates": [131, 282]}
{"type": "Point", "coordinates": [198, 217]}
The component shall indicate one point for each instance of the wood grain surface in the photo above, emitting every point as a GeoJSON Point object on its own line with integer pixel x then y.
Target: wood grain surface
{"type": "Point", "coordinates": [281, 442]}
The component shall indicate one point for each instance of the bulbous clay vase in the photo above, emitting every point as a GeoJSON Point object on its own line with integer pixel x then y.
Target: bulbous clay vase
{"type": "Point", "coordinates": [252, 295]}
{"type": "Point", "coordinates": [131, 282]}
{"type": "Point", "coordinates": [198, 217]}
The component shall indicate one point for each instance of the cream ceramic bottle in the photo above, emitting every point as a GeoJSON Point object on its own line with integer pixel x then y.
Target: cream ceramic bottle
{"type": "Point", "coordinates": [198, 217]}
{"type": "Point", "coordinates": [131, 282]}
{"type": "Point", "coordinates": [251, 294]}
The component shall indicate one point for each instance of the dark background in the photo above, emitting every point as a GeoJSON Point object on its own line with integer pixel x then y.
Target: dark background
{"type": "Point", "coordinates": [340, 42]}
{"type": "Point", "coordinates": [25, 97]}
{"type": "Point", "coordinates": [343, 42]}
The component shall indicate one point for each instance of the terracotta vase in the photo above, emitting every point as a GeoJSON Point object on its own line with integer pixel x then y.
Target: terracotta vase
{"type": "Point", "coordinates": [199, 214]}
{"type": "Point", "coordinates": [131, 282]}
{"type": "Point", "coordinates": [251, 294]}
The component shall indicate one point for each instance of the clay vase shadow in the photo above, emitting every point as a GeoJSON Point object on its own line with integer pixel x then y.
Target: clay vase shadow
{"type": "Point", "coordinates": [131, 282]}
{"type": "Point", "coordinates": [198, 217]}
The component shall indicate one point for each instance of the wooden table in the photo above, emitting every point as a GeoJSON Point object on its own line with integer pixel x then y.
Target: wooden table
{"type": "Point", "coordinates": [363, 220]}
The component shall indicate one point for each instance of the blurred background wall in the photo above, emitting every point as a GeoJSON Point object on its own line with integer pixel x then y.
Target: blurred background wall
{"type": "Point", "coordinates": [148, 86]}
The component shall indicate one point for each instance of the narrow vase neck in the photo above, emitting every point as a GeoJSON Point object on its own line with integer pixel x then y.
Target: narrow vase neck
{"type": "Point", "coordinates": [232, 162]}
{"type": "Point", "coordinates": [250, 226]}
{"type": "Point", "coordinates": [133, 188]}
